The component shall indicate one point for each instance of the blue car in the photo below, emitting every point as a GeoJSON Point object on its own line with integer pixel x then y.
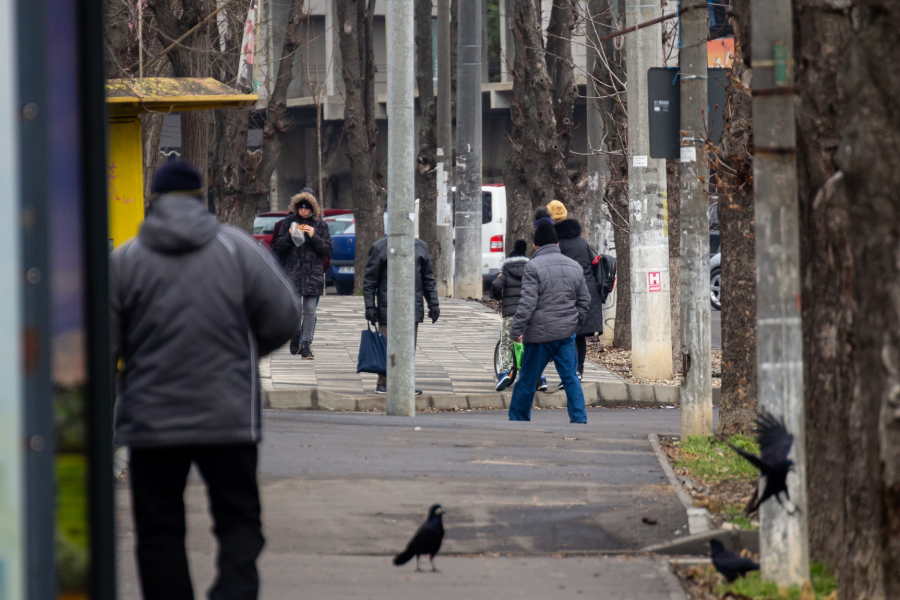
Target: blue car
{"type": "Point", "coordinates": [343, 252]}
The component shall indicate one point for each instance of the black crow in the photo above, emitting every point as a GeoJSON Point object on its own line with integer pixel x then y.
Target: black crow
{"type": "Point", "coordinates": [426, 541]}
{"type": "Point", "coordinates": [728, 564]}
{"type": "Point", "coordinates": [773, 463]}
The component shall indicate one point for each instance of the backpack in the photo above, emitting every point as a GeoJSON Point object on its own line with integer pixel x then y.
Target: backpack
{"type": "Point", "coordinates": [604, 267]}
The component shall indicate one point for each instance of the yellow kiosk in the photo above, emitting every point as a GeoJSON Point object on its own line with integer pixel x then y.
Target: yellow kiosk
{"type": "Point", "coordinates": [126, 100]}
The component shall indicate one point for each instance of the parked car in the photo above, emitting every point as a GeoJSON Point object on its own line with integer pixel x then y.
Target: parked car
{"type": "Point", "coordinates": [715, 281]}
{"type": "Point", "coordinates": [343, 251]}
{"type": "Point", "coordinates": [264, 223]}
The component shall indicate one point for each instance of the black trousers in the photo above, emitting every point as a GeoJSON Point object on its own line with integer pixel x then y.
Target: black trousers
{"type": "Point", "coordinates": [581, 349]}
{"type": "Point", "coordinates": [158, 478]}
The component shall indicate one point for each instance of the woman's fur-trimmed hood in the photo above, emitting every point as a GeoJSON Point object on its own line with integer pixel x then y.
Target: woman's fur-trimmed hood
{"type": "Point", "coordinates": [568, 229]}
{"type": "Point", "coordinates": [514, 260]}
{"type": "Point", "coordinates": [296, 200]}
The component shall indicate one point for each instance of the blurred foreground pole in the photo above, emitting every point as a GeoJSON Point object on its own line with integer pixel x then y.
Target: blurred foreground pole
{"type": "Point", "coordinates": [784, 553]}
{"type": "Point", "coordinates": [401, 210]}
{"type": "Point", "coordinates": [696, 391]}
{"type": "Point", "coordinates": [467, 276]}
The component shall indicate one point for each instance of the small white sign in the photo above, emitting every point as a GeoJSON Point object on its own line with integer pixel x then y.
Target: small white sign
{"type": "Point", "coordinates": [639, 161]}
{"type": "Point", "coordinates": [688, 154]}
{"type": "Point", "coordinates": [654, 281]}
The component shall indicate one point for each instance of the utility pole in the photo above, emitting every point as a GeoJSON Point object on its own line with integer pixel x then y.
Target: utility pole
{"type": "Point", "coordinates": [784, 552]}
{"type": "Point", "coordinates": [444, 254]}
{"type": "Point", "coordinates": [401, 348]}
{"type": "Point", "coordinates": [696, 391]}
{"type": "Point", "coordinates": [467, 276]}
{"type": "Point", "coordinates": [651, 326]}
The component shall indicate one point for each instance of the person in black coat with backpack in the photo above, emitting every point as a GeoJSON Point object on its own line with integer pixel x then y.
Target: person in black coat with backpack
{"type": "Point", "coordinates": [574, 246]}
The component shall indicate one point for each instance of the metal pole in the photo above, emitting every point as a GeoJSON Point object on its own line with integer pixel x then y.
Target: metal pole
{"type": "Point", "coordinates": [651, 327]}
{"type": "Point", "coordinates": [401, 210]}
{"type": "Point", "coordinates": [784, 554]}
{"type": "Point", "coordinates": [467, 278]}
{"type": "Point", "coordinates": [696, 391]}
{"type": "Point", "coordinates": [444, 251]}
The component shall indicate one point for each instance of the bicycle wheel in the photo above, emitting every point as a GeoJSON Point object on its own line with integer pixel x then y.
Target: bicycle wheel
{"type": "Point", "coordinates": [497, 360]}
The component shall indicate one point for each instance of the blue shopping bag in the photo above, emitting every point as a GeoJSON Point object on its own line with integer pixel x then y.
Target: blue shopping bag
{"type": "Point", "coordinates": [372, 352]}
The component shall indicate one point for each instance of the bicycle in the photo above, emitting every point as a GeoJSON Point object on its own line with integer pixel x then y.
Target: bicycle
{"type": "Point", "coordinates": [515, 360]}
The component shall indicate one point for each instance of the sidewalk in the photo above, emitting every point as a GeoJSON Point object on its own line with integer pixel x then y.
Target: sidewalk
{"type": "Point", "coordinates": [454, 355]}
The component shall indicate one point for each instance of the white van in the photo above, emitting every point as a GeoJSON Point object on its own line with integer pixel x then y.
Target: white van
{"type": "Point", "coordinates": [493, 229]}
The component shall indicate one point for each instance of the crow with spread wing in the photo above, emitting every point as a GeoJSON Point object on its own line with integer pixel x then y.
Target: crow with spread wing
{"type": "Point", "coordinates": [426, 541]}
{"type": "Point", "coordinates": [730, 565]}
{"type": "Point", "coordinates": [773, 463]}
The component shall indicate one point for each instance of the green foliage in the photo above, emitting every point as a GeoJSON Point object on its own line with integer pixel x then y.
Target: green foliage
{"type": "Point", "coordinates": [71, 521]}
{"type": "Point", "coordinates": [713, 461]}
{"type": "Point", "coordinates": [822, 580]}
{"type": "Point", "coordinates": [493, 35]}
{"type": "Point", "coordinates": [68, 418]}
{"type": "Point", "coordinates": [735, 514]}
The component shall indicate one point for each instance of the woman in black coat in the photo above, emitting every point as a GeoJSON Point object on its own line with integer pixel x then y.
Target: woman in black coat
{"type": "Point", "coordinates": [574, 246]}
{"type": "Point", "coordinates": [303, 263]}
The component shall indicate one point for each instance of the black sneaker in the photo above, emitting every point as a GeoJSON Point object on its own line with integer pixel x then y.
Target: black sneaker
{"type": "Point", "coordinates": [381, 389]}
{"type": "Point", "coordinates": [561, 386]}
{"type": "Point", "coordinates": [295, 346]}
{"type": "Point", "coordinates": [306, 351]}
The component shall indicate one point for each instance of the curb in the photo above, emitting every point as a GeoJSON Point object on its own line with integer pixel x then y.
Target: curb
{"type": "Point", "coordinates": [698, 518]}
{"type": "Point", "coordinates": [734, 540]}
{"type": "Point", "coordinates": [605, 394]}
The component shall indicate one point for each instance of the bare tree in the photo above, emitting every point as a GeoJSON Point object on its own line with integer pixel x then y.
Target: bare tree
{"type": "Point", "coordinates": [541, 109]}
{"type": "Point", "coordinates": [354, 19]}
{"type": "Point", "coordinates": [734, 169]}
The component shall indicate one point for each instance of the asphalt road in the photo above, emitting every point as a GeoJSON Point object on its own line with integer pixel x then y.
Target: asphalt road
{"type": "Point", "coordinates": [344, 492]}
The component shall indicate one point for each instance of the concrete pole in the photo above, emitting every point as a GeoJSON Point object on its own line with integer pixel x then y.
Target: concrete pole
{"type": "Point", "coordinates": [444, 266]}
{"type": "Point", "coordinates": [651, 327]}
{"type": "Point", "coordinates": [401, 210]}
{"type": "Point", "coordinates": [784, 553]}
{"type": "Point", "coordinates": [467, 278]}
{"type": "Point", "coordinates": [696, 391]}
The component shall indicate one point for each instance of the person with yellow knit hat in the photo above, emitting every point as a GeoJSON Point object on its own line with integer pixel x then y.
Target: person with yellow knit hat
{"type": "Point", "coordinates": [573, 245]}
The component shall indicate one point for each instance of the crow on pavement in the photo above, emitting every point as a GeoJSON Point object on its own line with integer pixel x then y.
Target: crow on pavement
{"type": "Point", "coordinates": [728, 564]}
{"type": "Point", "coordinates": [773, 463]}
{"type": "Point", "coordinates": [426, 541]}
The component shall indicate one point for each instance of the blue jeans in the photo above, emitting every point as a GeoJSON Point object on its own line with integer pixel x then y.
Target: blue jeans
{"type": "Point", "coordinates": [534, 361]}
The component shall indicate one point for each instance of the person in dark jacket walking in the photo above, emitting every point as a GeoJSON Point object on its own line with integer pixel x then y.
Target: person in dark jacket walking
{"type": "Point", "coordinates": [574, 246]}
{"type": "Point", "coordinates": [193, 305]}
{"type": "Point", "coordinates": [553, 305]}
{"type": "Point", "coordinates": [303, 241]}
{"type": "Point", "coordinates": [507, 287]}
{"type": "Point", "coordinates": [375, 291]}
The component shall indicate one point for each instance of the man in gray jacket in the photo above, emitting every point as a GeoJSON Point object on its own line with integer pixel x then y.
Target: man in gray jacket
{"type": "Point", "coordinates": [194, 304]}
{"type": "Point", "coordinates": [554, 304]}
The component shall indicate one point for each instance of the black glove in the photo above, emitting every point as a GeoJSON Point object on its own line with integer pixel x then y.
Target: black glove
{"type": "Point", "coordinates": [372, 315]}
{"type": "Point", "coordinates": [434, 313]}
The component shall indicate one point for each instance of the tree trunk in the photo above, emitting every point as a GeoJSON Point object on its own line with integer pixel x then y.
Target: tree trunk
{"type": "Point", "coordinates": [870, 158]}
{"type": "Point", "coordinates": [354, 19]}
{"type": "Point", "coordinates": [734, 168]}
{"type": "Point", "coordinates": [426, 163]}
{"type": "Point", "coordinates": [617, 200]}
{"type": "Point", "coordinates": [821, 38]}
{"type": "Point", "coordinates": [189, 59]}
{"type": "Point", "coordinates": [241, 180]}
{"type": "Point", "coordinates": [673, 202]}
{"type": "Point", "coordinates": [151, 134]}
{"type": "Point", "coordinates": [535, 171]}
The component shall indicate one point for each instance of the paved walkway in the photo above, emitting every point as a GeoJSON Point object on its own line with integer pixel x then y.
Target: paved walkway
{"type": "Point", "coordinates": [454, 355]}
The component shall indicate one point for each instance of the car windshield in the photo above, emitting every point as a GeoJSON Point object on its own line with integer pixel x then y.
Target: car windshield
{"type": "Point", "coordinates": [265, 224]}
{"type": "Point", "coordinates": [338, 226]}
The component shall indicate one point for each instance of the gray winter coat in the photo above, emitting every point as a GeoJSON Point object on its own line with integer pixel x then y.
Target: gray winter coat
{"type": "Point", "coordinates": [555, 298]}
{"type": "Point", "coordinates": [194, 304]}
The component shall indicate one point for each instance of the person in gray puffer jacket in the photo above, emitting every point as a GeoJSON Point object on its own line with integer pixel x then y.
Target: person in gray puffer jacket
{"type": "Point", "coordinates": [193, 306]}
{"type": "Point", "coordinates": [553, 306]}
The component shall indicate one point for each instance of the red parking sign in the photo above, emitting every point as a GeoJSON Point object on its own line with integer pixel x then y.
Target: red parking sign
{"type": "Point", "coordinates": [654, 281]}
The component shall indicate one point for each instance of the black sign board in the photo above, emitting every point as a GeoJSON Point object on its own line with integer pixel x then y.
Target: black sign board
{"type": "Point", "coordinates": [665, 109]}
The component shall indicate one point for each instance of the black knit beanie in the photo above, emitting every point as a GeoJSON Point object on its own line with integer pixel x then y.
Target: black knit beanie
{"type": "Point", "coordinates": [177, 177]}
{"type": "Point", "coordinates": [519, 249]}
{"type": "Point", "coordinates": [545, 233]}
